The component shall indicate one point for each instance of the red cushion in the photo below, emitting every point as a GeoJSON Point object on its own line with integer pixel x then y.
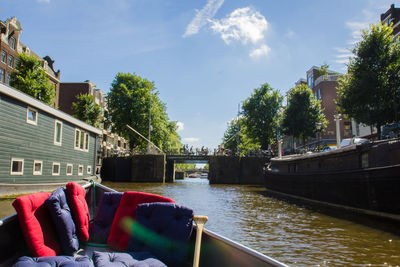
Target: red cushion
{"type": "Point", "coordinates": [79, 208]}
{"type": "Point", "coordinates": [118, 237]}
{"type": "Point", "coordinates": [36, 224]}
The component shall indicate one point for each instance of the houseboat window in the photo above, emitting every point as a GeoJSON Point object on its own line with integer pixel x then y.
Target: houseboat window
{"type": "Point", "coordinates": [89, 169]}
{"type": "Point", "coordinates": [31, 116]}
{"type": "Point", "coordinates": [80, 170]}
{"type": "Point", "coordinates": [3, 57]}
{"type": "Point", "coordinates": [37, 167]}
{"type": "Point", "coordinates": [70, 168]}
{"type": "Point", "coordinates": [2, 75]}
{"type": "Point", "coordinates": [12, 43]}
{"type": "Point", "coordinates": [77, 138]}
{"type": "Point", "coordinates": [82, 141]}
{"type": "Point", "coordinates": [56, 168]}
{"type": "Point", "coordinates": [11, 62]}
{"type": "Point", "coordinates": [364, 160]}
{"type": "Point", "coordinates": [57, 132]}
{"type": "Point", "coordinates": [17, 166]}
{"type": "Point", "coordinates": [86, 142]}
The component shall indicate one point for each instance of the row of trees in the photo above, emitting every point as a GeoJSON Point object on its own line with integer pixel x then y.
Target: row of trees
{"type": "Point", "coordinates": [369, 93]}
{"type": "Point", "coordinates": [128, 104]}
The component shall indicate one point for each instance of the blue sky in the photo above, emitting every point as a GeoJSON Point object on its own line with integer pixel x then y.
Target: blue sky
{"type": "Point", "coordinates": [205, 56]}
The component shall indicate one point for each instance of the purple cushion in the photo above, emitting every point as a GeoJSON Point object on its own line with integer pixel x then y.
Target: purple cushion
{"type": "Point", "coordinates": [164, 230]}
{"type": "Point", "coordinates": [59, 261]}
{"type": "Point", "coordinates": [100, 229]}
{"type": "Point", "coordinates": [133, 259]}
{"type": "Point", "coordinates": [60, 213]}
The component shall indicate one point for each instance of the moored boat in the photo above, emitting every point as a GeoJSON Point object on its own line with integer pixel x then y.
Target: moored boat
{"type": "Point", "coordinates": [362, 178]}
{"type": "Point", "coordinates": [216, 250]}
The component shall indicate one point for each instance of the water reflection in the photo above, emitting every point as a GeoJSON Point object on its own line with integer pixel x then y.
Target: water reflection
{"type": "Point", "coordinates": [286, 232]}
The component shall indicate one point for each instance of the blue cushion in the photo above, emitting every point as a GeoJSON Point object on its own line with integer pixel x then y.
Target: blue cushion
{"type": "Point", "coordinates": [164, 230]}
{"type": "Point", "coordinates": [133, 259]}
{"type": "Point", "coordinates": [61, 215]}
{"type": "Point", "coordinates": [100, 229]}
{"type": "Point", "coordinates": [59, 261]}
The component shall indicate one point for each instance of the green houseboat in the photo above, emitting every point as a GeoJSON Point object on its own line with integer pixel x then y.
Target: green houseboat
{"type": "Point", "coordinates": [41, 146]}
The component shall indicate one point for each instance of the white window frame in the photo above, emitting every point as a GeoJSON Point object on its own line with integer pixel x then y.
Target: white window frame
{"type": "Point", "coordinates": [77, 140]}
{"type": "Point", "coordinates": [33, 122]}
{"type": "Point", "coordinates": [59, 169]}
{"type": "Point", "coordinates": [86, 142]}
{"type": "Point", "coordinates": [72, 169]}
{"type": "Point", "coordinates": [55, 132]}
{"type": "Point", "coordinates": [13, 43]}
{"type": "Point", "coordinates": [89, 169]}
{"type": "Point", "coordinates": [41, 167]}
{"type": "Point", "coordinates": [4, 54]}
{"type": "Point", "coordinates": [11, 61]}
{"type": "Point", "coordinates": [80, 170]}
{"type": "Point", "coordinates": [22, 168]}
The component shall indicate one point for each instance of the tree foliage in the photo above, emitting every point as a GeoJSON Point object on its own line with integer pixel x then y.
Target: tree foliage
{"type": "Point", "coordinates": [129, 104]}
{"type": "Point", "coordinates": [85, 109]}
{"type": "Point", "coordinates": [260, 113]}
{"type": "Point", "coordinates": [30, 78]}
{"type": "Point", "coordinates": [237, 132]}
{"type": "Point", "coordinates": [370, 92]}
{"type": "Point", "coordinates": [303, 112]}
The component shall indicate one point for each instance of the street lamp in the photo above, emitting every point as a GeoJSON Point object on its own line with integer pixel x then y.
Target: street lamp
{"type": "Point", "coordinates": [338, 118]}
{"type": "Point", "coordinates": [150, 127]}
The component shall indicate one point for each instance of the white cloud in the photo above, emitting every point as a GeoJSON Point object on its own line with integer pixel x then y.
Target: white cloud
{"type": "Point", "coordinates": [243, 24]}
{"type": "Point", "coordinates": [258, 52]}
{"type": "Point", "coordinates": [180, 126]}
{"type": "Point", "coordinates": [190, 139]}
{"type": "Point", "coordinates": [203, 16]}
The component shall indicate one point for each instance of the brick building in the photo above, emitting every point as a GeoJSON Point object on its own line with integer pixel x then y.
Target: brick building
{"type": "Point", "coordinates": [11, 46]}
{"type": "Point", "coordinates": [112, 144]}
{"type": "Point", "coordinates": [392, 16]}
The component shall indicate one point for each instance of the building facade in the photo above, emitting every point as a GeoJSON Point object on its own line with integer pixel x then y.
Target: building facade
{"type": "Point", "coordinates": [40, 144]}
{"type": "Point", "coordinates": [392, 17]}
{"type": "Point", "coordinates": [11, 47]}
{"type": "Point", "coordinates": [112, 144]}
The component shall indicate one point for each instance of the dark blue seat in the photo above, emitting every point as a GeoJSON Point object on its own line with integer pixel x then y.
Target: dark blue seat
{"type": "Point", "coordinates": [133, 259]}
{"type": "Point", "coordinates": [100, 229]}
{"type": "Point", "coordinates": [164, 230]}
{"type": "Point", "coordinates": [59, 261]}
{"type": "Point", "coordinates": [61, 215]}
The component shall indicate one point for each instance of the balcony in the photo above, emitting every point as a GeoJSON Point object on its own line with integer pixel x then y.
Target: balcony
{"type": "Point", "coordinates": [326, 78]}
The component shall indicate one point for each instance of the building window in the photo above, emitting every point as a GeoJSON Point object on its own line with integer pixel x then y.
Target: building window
{"type": "Point", "coordinates": [310, 81]}
{"type": "Point", "coordinates": [31, 116]}
{"type": "Point", "coordinates": [4, 57]}
{"type": "Point", "coordinates": [56, 168]}
{"type": "Point", "coordinates": [57, 133]}
{"type": "Point", "coordinates": [17, 166]}
{"type": "Point", "coordinates": [70, 169]}
{"type": "Point", "coordinates": [86, 142]}
{"type": "Point", "coordinates": [16, 62]}
{"type": "Point", "coordinates": [89, 169]}
{"type": "Point", "coordinates": [8, 78]}
{"type": "Point", "coordinates": [12, 43]}
{"type": "Point", "coordinates": [77, 138]}
{"type": "Point", "coordinates": [2, 75]}
{"type": "Point", "coordinates": [37, 167]}
{"type": "Point", "coordinates": [82, 141]}
{"type": "Point", "coordinates": [11, 61]}
{"type": "Point", "coordinates": [80, 170]}
{"type": "Point", "coordinates": [319, 94]}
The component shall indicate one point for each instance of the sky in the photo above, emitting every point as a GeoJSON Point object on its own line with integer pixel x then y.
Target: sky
{"type": "Point", "coordinates": [204, 56]}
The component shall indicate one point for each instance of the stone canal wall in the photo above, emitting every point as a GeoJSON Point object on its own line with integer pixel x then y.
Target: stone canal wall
{"type": "Point", "coordinates": [235, 170]}
{"type": "Point", "coordinates": [138, 168]}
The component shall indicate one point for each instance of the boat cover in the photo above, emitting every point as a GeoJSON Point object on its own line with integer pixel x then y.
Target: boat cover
{"type": "Point", "coordinates": [59, 261]}
{"type": "Point", "coordinates": [118, 237]}
{"type": "Point", "coordinates": [100, 229]}
{"type": "Point", "coordinates": [133, 259]}
{"type": "Point", "coordinates": [36, 224]}
{"type": "Point", "coordinates": [80, 211]}
{"type": "Point", "coordinates": [61, 214]}
{"type": "Point", "coordinates": [163, 229]}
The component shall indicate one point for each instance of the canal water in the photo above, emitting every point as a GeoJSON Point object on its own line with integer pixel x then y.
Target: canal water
{"type": "Point", "coordinates": [286, 232]}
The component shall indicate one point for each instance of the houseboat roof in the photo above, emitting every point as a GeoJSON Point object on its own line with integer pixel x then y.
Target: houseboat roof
{"type": "Point", "coordinates": [19, 95]}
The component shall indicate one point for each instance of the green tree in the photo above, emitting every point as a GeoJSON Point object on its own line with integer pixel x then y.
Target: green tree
{"type": "Point", "coordinates": [237, 132]}
{"type": "Point", "coordinates": [301, 115]}
{"type": "Point", "coordinates": [129, 104]}
{"type": "Point", "coordinates": [30, 78]}
{"type": "Point", "coordinates": [85, 109]}
{"type": "Point", "coordinates": [370, 92]}
{"type": "Point", "coordinates": [323, 70]}
{"type": "Point", "coordinates": [260, 113]}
